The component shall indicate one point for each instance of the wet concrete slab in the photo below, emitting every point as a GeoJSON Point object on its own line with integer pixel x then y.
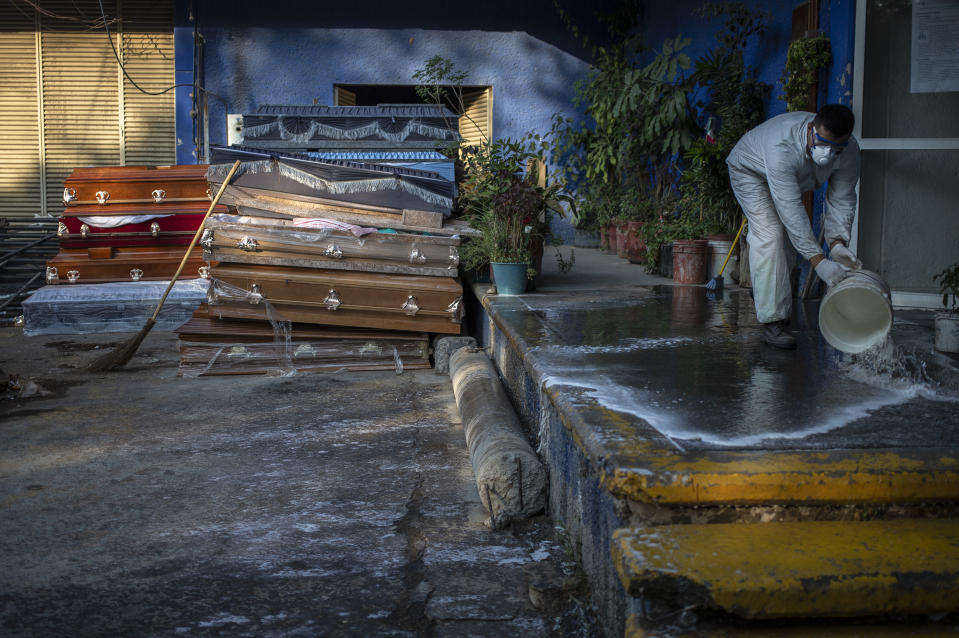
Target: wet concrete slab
{"type": "Point", "coordinates": [670, 383]}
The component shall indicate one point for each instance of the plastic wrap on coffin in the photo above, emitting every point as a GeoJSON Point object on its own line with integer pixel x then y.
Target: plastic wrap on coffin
{"type": "Point", "coordinates": [214, 346]}
{"type": "Point", "coordinates": [284, 244]}
{"type": "Point", "coordinates": [368, 300]}
{"type": "Point", "coordinates": [110, 307]}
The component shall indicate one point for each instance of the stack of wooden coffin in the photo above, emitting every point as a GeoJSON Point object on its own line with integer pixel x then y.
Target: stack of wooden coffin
{"type": "Point", "coordinates": [324, 264]}
{"type": "Point", "coordinates": [123, 233]}
{"type": "Point", "coordinates": [130, 223]}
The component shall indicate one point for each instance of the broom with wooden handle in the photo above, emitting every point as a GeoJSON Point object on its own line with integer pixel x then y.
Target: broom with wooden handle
{"type": "Point", "coordinates": [716, 283]}
{"type": "Point", "coordinates": [120, 355]}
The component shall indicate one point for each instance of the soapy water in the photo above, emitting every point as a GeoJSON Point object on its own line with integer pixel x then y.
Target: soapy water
{"type": "Point", "coordinates": [898, 369]}
{"type": "Point", "coordinates": [754, 406]}
{"type": "Point", "coordinates": [675, 419]}
{"type": "Point", "coordinates": [696, 372]}
{"type": "Point", "coordinates": [626, 345]}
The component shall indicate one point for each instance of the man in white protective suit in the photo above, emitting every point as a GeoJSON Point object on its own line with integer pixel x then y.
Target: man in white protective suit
{"type": "Point", "coordinates": [769, 168]}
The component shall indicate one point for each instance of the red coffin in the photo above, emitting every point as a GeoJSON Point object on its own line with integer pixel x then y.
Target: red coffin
{"type": "Point", "coordinates": [176, 229]}
{"type": "Point", "coordinates": [166, 208]}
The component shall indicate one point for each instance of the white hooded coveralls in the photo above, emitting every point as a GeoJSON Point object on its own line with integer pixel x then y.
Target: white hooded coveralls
{"type": "Point", "coordinates": [769, 169]}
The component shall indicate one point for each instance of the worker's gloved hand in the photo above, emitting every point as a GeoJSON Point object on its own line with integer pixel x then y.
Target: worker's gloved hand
{"type": "Point", "coordinates": [830, 272]}
{"type": "Point", "coordinates": [844, 257]}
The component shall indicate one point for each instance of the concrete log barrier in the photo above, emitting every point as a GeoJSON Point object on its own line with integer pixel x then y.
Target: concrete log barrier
{"type": "Point", "coordinates": [509, 476]}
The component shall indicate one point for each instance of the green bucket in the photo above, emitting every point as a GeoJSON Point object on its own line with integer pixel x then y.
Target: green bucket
{"type": "Point", "coordinates": [510, 278]}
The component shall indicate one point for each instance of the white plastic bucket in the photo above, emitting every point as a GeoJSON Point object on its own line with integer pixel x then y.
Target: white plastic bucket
{"type": "Point", "coordinates": [856, 313]}
{"type": "Point", "coordinates": [718, 249]}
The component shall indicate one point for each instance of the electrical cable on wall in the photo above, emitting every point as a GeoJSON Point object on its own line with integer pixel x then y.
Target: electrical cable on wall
{"type": "Point", "coordinates": [132, 81]}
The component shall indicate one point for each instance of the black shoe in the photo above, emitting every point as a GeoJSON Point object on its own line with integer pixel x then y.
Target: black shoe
{"type": "Point", "coordinates": [776, 335]}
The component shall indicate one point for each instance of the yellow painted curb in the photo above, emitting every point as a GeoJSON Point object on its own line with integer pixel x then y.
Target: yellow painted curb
{"type": "Point", "coordinates": [809, 569]}
{"type": "Point", "coordinates": [635, 628]}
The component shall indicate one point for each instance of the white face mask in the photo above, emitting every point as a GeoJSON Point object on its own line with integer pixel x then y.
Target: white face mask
{"type": "Point", "coordinates": [823, 155]}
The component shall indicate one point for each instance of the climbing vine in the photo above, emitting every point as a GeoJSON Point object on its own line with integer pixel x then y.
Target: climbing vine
{"type": "Point", "coordinates": [804, 58]}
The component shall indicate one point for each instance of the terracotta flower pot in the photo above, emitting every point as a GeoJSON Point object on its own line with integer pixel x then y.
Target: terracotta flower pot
{"type": "Point", "coordinates": [690, 258]}
{"type": "Point", "coordinates": [635, 246]}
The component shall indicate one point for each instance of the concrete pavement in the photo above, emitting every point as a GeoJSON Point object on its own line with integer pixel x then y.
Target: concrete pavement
{"type": "Point", "coordinates": [138, 503]}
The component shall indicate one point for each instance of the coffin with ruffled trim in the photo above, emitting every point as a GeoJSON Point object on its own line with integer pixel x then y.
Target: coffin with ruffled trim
{"type": "Point", "coordinates": [387, 126]}
{"type": "Point", "coordinates": [375, 187]}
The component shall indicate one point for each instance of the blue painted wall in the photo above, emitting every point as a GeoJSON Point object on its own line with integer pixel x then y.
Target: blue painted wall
{"type": "Point", "coordinates": [286, 52]}
{"type": "Point", "coordinates": [767, 53]}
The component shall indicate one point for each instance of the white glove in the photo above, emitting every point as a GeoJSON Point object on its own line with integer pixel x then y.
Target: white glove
{"type": "Point", "coordinates": [844, 257]}
{"type": "Point", "coordinates": [830, 272]}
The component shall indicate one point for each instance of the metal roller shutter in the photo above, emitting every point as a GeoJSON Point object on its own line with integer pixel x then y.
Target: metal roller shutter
{"type": "Point", "coordinates": [80, 107]}
{"type": "Point", "coordinates": [64, 101]}
{"type": "Point", "coordinates": [149, 128]}
{"type": "Point", "coordinates": [20, 177]}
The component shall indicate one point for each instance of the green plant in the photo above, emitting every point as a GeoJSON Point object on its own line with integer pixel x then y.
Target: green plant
{"type": "Point", "coordinates": [502, 198]}
{"type": "Point", "coordinates": [621, 156]}
{"type": "Point", "coordinates": [948, 281]}
{"type": "Point", "coordinates": [804, 58]}
{"type": "Point", "coordinates": [440, 82]}
{"type": "Point", "coordinates": [565, 265]}
{"type": "Point", "coordinates": [734, 105]}
{"type": "Point", "coordinates": [669, 228]}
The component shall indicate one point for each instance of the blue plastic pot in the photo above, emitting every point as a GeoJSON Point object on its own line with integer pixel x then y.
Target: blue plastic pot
{"type": "Point", "coordinates": [510, 278]}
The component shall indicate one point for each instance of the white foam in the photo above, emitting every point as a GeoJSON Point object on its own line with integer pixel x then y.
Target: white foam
{"type": "Point", "coordinates": [889, 367]}
{"type": "Point", "coordinates": [624, 346]}
{"type": "Point", "coordinates": [640, 403]}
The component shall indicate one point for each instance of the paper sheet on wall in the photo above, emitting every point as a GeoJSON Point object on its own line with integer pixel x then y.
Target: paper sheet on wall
{"type": "Point", "coordinates": [935, 46]}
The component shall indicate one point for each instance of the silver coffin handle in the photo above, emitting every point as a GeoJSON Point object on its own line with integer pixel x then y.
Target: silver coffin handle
{"type": "Point", "coordinates": [332, 301]}
{"type": "Point", "coordinates": [410, 306]}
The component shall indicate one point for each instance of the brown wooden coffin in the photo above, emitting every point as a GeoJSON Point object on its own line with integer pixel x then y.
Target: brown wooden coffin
{"type": "Point", "coordinates": [250, 201]}
{"type": "Point", "coordinates": [211, 346]}
{"type": "Point", "coordinates": [74, 232]}
{"type": "Point", "coordinates": [110, 185]}
{"type": "Point", "coordinates": [260, 240]}
{"type": "Point", "coordinates": [105, 264]}
{"type": "Point", "coordinates": [339, 298]}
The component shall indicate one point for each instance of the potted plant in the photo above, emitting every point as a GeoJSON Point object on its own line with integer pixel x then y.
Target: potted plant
{"type": "Point", "coordinates": [947, 320]}
{"type": "Point", "coordinates": [504, 200]}
{"type": "Point", "coordinates": [690, 254]}
{"type": "Point", "coordinates": [642, 213]}
{"type": "Point", "coordinates": [636, 120]}
{"type": "Point", "coordinates": [596, 208]}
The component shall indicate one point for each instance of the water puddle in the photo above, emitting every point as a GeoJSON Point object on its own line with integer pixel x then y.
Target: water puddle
{"type": "Point", "coordinates": [694, 369]}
